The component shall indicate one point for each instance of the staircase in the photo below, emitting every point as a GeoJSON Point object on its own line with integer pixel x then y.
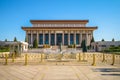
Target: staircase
{"type": "Point", "coordinates": [55, 47]}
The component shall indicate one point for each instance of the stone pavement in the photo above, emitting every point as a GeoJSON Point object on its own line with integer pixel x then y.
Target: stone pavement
{"type": "Point", "coordinates": [59, 72]}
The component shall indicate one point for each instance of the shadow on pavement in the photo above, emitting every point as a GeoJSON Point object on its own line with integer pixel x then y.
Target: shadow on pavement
{"type": "Point", "coordinates": [106, 70]}
{"type": "Point", "coordinates": [110, 74]}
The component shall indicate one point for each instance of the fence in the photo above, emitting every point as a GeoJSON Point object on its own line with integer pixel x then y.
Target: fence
{"type": "Point", "coordinates": [87, 58]}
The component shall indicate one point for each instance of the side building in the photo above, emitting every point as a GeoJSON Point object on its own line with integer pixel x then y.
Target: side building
{"type": "Point", "coordinates": [103, 45]}
{"type": "Point", "coordinates": [56, 32]}
{"type": "Point", "coordinates": [19, 45]}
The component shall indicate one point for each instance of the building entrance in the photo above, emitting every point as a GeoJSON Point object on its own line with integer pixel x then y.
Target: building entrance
{"type": "Point", "coordinates": [59, 39]}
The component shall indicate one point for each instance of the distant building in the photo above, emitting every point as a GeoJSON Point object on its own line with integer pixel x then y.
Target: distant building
{"type": "Point", "coordinates": [2, 43]}
{"type": "Point", "coordinates": [102, 45]}
{"type": "Point", "coordinates": [55, 32]}
{"type": "Point", "coordinates": [21, 46]}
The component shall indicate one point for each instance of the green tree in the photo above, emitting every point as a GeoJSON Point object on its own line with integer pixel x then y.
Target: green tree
{"type": "Point", "coordinates": [92, 40]}
{"type": "Point", "coordinates": [5, 40]}
{"type": "Point", "coordinates": [83, 45]}
{"type": "Point", "coordinates": [35, 44]}
{"type": "Point", "coordinates": [102, 40]}
{"type": "Point", "coordinates": [26, 39]}
{"type": "Point", "coordinates": [113, 39]}
{"type": "Point", "coordinates": [15, 39]}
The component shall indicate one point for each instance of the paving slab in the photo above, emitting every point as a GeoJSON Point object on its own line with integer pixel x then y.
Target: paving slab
{"type": "Point", "coordinates": [59, 72]}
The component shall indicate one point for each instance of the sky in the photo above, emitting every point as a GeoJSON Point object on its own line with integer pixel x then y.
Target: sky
{"type": "Point", "coordinates": [102, 13]}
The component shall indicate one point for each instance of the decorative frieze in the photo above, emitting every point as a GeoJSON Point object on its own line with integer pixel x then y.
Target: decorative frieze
{"type": "Point", "coordinates": [58, 25]}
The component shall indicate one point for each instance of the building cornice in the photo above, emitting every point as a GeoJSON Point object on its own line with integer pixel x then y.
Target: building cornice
{"type": "Point", "coordinates": [58, 21]}
{"type": "Point", "coordinates": [59, 28]}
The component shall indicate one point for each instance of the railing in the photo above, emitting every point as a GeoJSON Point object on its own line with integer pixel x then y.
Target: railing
{"type": "Point", "coordinates": [99, 58]}
{"type": "Point", "coordinates": [38, 58]}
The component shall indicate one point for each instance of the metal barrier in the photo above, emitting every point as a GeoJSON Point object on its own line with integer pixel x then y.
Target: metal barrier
{"type": "Point", "coordinates": [90, 58]}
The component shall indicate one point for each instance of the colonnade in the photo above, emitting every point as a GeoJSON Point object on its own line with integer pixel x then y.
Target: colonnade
{"type": "Point", "coordinates": [82, 36]}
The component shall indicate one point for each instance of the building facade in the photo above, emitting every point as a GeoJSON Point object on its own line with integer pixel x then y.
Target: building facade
{"type": "Point", "coordinates": [55, 32]}
{"type": "Point", "coordinates": [21, 46]}
{"type": "Point", "coordinates": [103, 45]}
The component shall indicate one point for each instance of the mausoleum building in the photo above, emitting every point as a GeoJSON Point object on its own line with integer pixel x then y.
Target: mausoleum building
{"type": "Point", "coordinates": [55, 32]}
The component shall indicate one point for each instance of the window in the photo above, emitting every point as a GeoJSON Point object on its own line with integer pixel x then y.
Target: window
{"type": "Point", "coordinates": [103, 45]}
{"type": "Point", "coordinates": [41, 39]}
{"type": "Point", "coordinates": [46, 38]}
{"type": "Point", "coordinates": [52, 39]}
{"type": "Point", "coordinates": [77, 38]}
{"type": "Point", "coordinates": [65, 39]}
{"type": "Point", "coordinates": [71, 39]}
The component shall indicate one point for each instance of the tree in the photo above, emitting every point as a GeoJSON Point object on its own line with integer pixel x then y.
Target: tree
{"type": "Point", "coordinates": [113, 39]}
{"type": "Point", "coordinates": [5, 40]}
{"type": "Point", "coordinates": [84, 48]}
{"type": "Point", "coordinates": [35, 44]}
{"type": "Point", "coordinates": [83, 45]}
{"type": "Point", "coordinates": [92, 40]}
{"type": "Point", "coordinates": [102, 40]}
{"type": "Point", "coordinates": [15, 39]}
{"type": "Point", "coordinates": [26, 39]}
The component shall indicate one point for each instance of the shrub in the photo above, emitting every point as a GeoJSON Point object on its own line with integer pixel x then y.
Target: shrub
{"type": "Point", "coordinates": [74, 45]}
{"type": "Point", "coordinates": [83, 45]}
{"type": "Point", "coordinates": [46, 46]}
{"type": "Point", "coordinates": [113, 49]}
{"type": "Point", "coordinates": [88, 47]}
{"type": "Point", "coordinates": [4, 49]}
{"type": "Point", "coordinates": [35, 44]}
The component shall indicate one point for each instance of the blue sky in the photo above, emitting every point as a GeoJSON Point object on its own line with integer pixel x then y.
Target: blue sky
{"type": "Point", "coordinates": [102, 13]}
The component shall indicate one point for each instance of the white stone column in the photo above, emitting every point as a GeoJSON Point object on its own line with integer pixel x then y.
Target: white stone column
{"type": "Point", "coordinates": [91, 35]}
{"type": "Point", "coordinates": [37, 37]}
{"type": "Point", "coordinates": [63, 38]}
{"type": "Point", "coordinates": [55, 38]}
{"type": "Point", "coordinates": [69, 38]}
{"type": "Point", "coordinates": [43, 37]}
{"type": "Point", "coordinates": [49, 38]}
{"type": "Point", "coordinates": [90, 38]}
{"type": "Point", "coordinates": [26, 37]}
{"type": "Point", "coordinates": [31, 37]}
{"type": "Point", "coordinates": [75, 37]}
{"type": "Point", "coordinates": [81, 38]}
{"type": "Point", "coordinates": [87, 39]}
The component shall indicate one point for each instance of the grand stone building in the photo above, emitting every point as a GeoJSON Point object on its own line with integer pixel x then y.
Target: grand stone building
{"type": "Point", "coordinates": [55, 32]}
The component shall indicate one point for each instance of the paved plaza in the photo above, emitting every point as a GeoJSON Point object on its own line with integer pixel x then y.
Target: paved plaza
{"type": "Point", "coordinates": [59, 72]}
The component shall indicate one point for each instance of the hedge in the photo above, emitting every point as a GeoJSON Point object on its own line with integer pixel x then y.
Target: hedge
{"type": "Point", "coordinates": [4, 49]}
